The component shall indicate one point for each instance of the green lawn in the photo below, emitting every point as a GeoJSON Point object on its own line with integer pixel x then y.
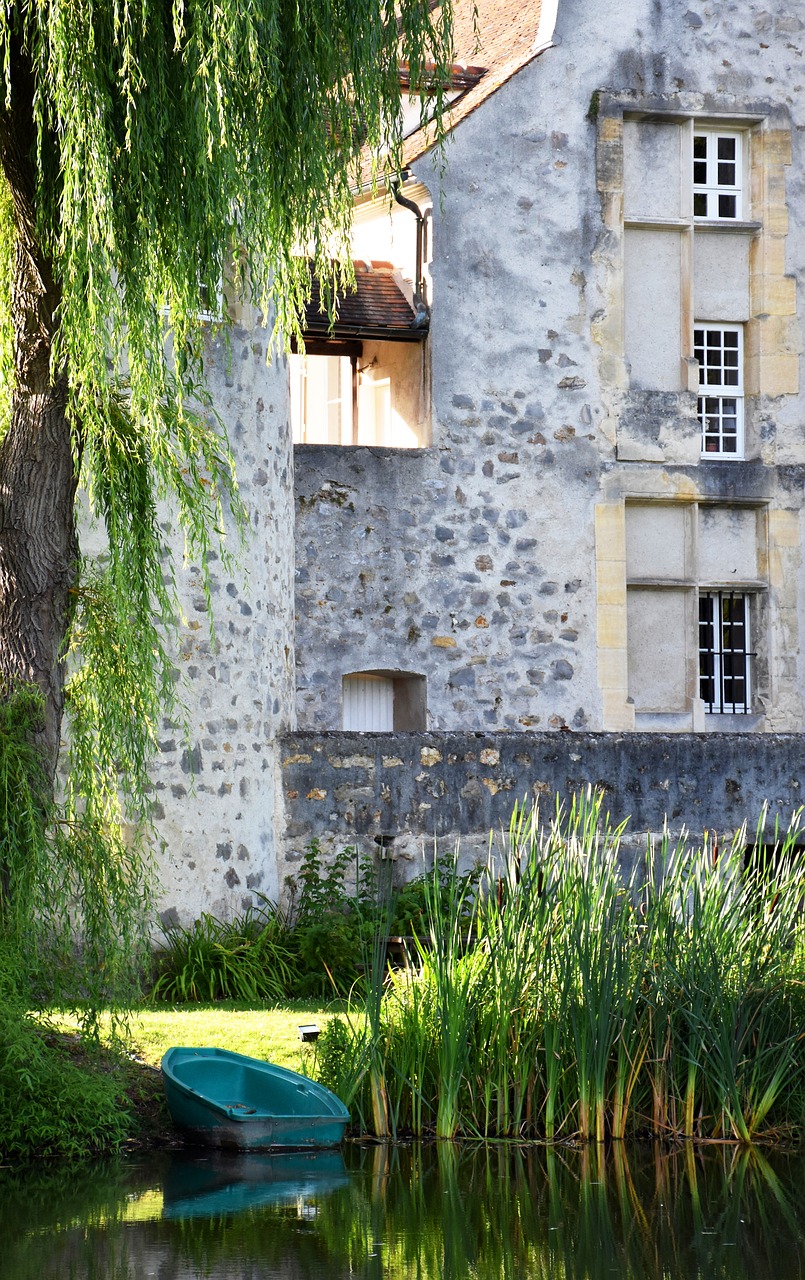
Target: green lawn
{"type": "Point", "coordinates": [270, 1033]}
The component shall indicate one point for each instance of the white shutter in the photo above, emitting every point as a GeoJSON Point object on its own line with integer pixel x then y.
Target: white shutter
{"type": "Point", "coordinates": [368, 704]}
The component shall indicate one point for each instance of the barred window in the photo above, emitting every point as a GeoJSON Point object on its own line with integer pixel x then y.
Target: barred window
{"type": "Point", "coordinates": [724, 680]}
{"type": "Point", "coordinates": [719, 351]}
{"type": "Point", "coordinates": [717, 175]}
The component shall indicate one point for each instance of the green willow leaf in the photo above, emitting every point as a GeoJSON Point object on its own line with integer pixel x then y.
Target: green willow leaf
{"type": "Point", "coordinates": [171, 148]}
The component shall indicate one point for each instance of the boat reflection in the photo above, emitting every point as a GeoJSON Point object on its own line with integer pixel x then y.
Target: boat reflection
{"type": "Point", "coordinates": [218, 1184]}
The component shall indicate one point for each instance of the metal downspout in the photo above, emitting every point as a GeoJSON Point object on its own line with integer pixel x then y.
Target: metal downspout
{"type": "Point", "coordinates": [419, 282]}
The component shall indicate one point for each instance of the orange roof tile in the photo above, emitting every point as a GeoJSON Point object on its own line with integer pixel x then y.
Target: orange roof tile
{"type": "Point", "coordinates": [504, 29]}
{"type": "Point", "coordinates": [503, 38]}
{"type": "Point", "coordinates": [375, 308]}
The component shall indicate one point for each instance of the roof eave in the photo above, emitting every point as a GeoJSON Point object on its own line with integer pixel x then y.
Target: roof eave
{"type": "Point", "coordinates": [366, 333]}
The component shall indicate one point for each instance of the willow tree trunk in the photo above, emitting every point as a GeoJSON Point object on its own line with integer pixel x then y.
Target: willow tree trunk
{"type": "Point", "coordinates": [38, 555]}
{"type": "Point", "coordinates": [38, 545]}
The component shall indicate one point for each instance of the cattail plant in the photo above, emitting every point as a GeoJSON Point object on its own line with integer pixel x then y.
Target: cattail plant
{"type": "Point", "coordinates": [572, 991]}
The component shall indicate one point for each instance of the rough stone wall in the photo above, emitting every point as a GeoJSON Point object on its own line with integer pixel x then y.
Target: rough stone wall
{"type": "Point", "coordinates": [395, 571]}
{"type": "Point", "coordinates": [493, 562]}
{"type": "Point", "coordinates": [429, 791]}
{"type": "Point", "coordinates": [216, 789]}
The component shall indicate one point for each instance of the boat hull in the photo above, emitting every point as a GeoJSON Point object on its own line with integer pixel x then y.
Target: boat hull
{"type": "Point", "coordinates": [230, 1102]}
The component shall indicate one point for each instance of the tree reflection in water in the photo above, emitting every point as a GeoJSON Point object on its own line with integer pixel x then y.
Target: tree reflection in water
{"type": "Point", "coordinates": [432, 1212]}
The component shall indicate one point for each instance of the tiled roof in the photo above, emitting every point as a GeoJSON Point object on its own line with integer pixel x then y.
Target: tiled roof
{"type": "Point", "coordinates": [504, 30]}
{"type": "Point", "coordinates": [377, 308]}
{"type": "Point", "coordinates": [501, 36]}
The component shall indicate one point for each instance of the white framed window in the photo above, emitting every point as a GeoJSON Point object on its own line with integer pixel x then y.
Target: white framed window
{"type": "Point", "coordinates": [724, 652]}
{"type": "Point", "coordinates": [717, 174]}
{"type": "Point", "coordinates": [719, 351]}
{"type": "Point", "coordinates": [322, 399]}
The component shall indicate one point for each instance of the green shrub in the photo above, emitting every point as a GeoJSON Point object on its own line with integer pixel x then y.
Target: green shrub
{"type": "Point", "coordinates": [247, 959]}
{"type": "Point", "coordinates": [326, 928]}
{"type": "Point", "coordinates": [335, 932]}
{"type": "Point", "coordinates": [50, 1104]}
{"type": "Point", "coordinates": [412, 904]}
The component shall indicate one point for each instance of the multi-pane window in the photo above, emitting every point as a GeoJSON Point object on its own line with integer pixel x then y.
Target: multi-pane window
{"type": "Point", "coordinates": [719, 351]}
{"type": "Point", "coordinates": [724, 654]}
{"type": "Point", "coordinates": [716, 175]}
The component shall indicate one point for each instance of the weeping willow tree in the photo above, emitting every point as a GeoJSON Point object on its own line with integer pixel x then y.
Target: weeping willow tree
{"type": "Point", "coordinates": [147, 152]}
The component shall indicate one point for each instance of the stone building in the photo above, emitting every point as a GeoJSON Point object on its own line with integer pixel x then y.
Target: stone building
{"type": "Point", "coordinates": [547, 466]}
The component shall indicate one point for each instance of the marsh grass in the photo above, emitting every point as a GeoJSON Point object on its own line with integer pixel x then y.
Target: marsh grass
{"type": "Point", "coordinates": [573, 993]}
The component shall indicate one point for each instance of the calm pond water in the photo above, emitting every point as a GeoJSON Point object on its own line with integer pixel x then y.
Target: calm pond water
{"type": "Point", "coordinates": [435, 1212]}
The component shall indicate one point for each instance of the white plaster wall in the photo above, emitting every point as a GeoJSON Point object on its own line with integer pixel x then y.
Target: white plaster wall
{"type": "Point", "coordinates": [721, 277]}
{"type": "Point", "coordinates": [728, 545]}
{"type": "Point", "coordinates": [652, 168]}
{"type": "Point", "coordinates": [405, 365]}
{"type": "Point", "coordinates": [658, 542]}
{"type": "Point", "coordinates": [385, 231]}
{"type": "Point", "coordinates": [653, 271]}
{"type": "Point", "coordinates": [658, 675]}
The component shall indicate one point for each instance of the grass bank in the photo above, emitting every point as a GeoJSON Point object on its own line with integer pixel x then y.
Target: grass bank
{"type": "Point", "coordinates": [110, 1095]}
{"type": "Point", "coordinates": [271, 1033]}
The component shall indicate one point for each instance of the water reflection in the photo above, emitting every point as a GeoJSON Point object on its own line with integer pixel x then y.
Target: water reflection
{"type": "Point", "coordinates": [435, 1213]}
{"type": "Point", "coordinates": [210, 1186]}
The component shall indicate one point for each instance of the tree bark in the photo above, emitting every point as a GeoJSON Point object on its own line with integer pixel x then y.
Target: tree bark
{"type": "Point", "coordinates": [38, 543]}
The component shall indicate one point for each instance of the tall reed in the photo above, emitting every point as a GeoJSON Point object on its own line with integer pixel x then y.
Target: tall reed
{"type": "Point", "coordinates": [458, 974]}
{"type": "Point", "coordinates": [577, 992]}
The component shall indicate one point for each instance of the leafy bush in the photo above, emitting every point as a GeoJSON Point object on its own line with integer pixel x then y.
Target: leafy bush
{"type": "Point", "coordinates": [412, 905]}
{"type": "Point", "coordinates": [328, 941]}
{"type": "Point", "coordinates": [247, 959]}
{"type": "Point", "coordinates": [51, 1105]}
{"type": "Point", "coordinates": [326, 928]}
{"type": "Point", "coordinates": [335, 932]}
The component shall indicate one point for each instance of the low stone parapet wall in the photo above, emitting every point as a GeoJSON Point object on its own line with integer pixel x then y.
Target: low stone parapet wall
{"type": "Point", "coordinates": [407, 791]}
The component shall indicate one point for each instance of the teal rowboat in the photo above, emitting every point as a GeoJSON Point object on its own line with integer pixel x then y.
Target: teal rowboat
{"type": "Point", "coordinates": [223, 1099]}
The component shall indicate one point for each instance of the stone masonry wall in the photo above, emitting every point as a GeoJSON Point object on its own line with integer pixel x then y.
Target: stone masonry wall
{"type": "Point", "coordinates": [215, 787]}
{"type": "Point", "coordinates": [431, 790]}
{"type": "Point", "coordinates": [492, 562]}
{"type": "Point", "coordinates": [394, 570]}
{"type": "Point", "coordinates": [484, 562]}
